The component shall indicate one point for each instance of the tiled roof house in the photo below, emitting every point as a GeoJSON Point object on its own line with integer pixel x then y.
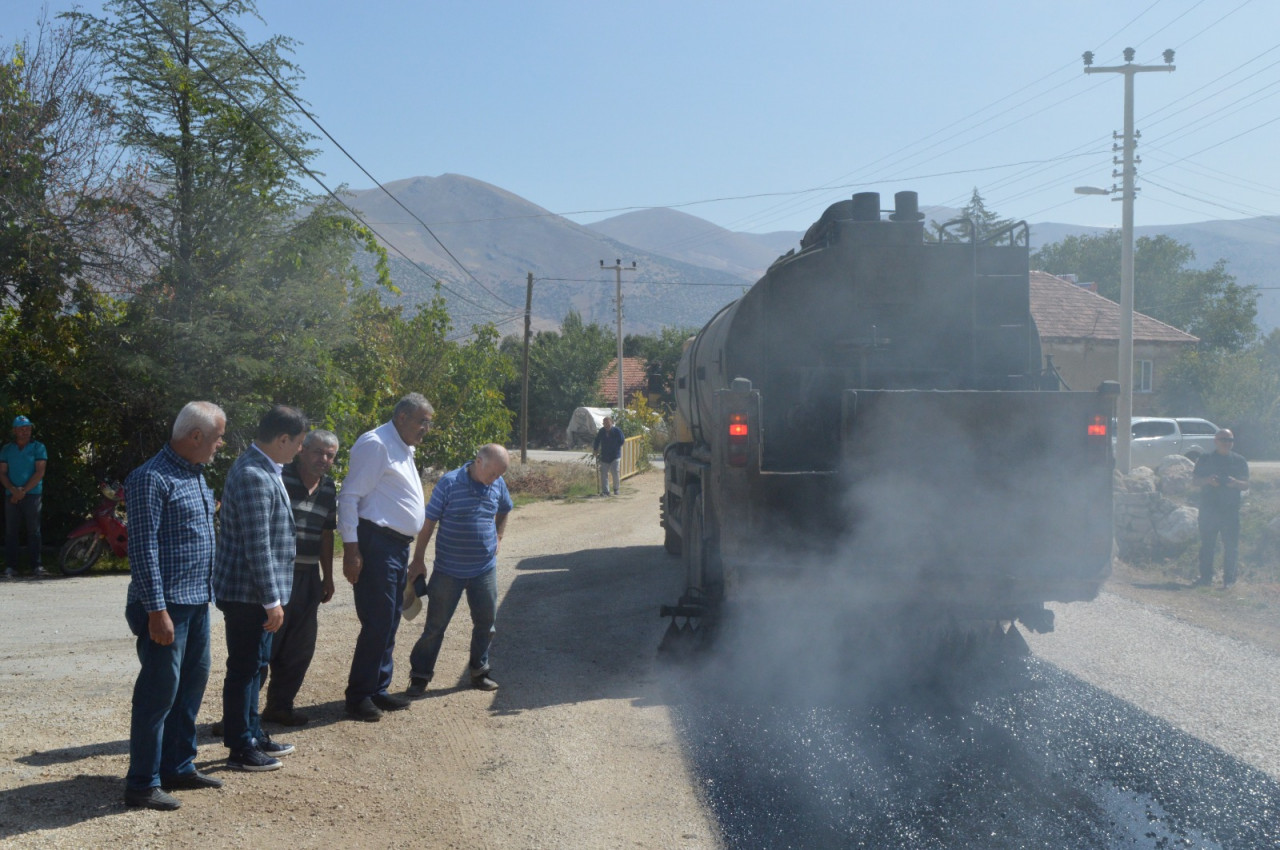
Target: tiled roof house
{"type": "Point", "coordinates": [633, 380]}
{"type": "Point", "coordinates": [1080, 330]}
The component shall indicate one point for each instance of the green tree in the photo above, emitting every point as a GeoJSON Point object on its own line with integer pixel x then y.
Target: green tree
{"type": "Point", "coordinates": [1205, 302]}
{"type": "Point", "coordinates": [468, 399]}
{"type": "Point", "coordinates": [1237, 389]}
{"type": "Point", "coordinates": [662, 353]}
{"type": "Point", "coordinates": [64, 207]}
{"type": "Point", "coordinates": [985, 221]}
{"type": "Point", "coordinates": [564, 373]}
{"type": "Point", "coordinates": [245, 295]}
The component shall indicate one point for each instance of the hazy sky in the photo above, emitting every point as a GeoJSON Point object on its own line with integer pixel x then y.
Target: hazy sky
{"type": "Point", "coordinates": [589, 109]}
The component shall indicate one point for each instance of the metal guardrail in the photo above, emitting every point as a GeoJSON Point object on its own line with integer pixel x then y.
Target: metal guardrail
{"type": "Point", "coordinates": [630, 457]}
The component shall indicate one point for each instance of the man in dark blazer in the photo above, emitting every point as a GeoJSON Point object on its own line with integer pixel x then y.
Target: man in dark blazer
{"type": "Point", "coordinates": [253, 578]}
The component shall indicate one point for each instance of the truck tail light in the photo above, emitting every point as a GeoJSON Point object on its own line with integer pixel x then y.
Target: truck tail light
{"type": "Point", "coordinates": [739, 432]}
{"type": "Point", "coordinates": [1098, 438]}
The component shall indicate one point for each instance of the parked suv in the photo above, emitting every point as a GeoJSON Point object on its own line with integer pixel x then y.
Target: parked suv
{"type": "Point", "coordinates": [1155, 437]}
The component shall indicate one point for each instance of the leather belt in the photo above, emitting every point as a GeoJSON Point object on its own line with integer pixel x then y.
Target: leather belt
{"type": "Point", "coordinates": [385, 532]}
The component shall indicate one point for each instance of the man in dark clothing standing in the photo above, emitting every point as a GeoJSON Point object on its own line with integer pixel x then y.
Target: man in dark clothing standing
{"type": "Point", "coordinates": [1222, 476]}
{"type": "Point", "coordinates": [608, 452]}
{"type": "Point", "coordinates": [315, 513]}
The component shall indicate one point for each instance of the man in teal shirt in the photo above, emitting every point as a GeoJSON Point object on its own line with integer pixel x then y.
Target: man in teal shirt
{"type": "Point", "coordinates": [22, 464]}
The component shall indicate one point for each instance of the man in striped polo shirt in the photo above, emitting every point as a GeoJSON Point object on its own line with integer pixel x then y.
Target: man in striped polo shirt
{"type": "Point", "coordinates": [314, 497]}
{"type": "Point", "coordinates": [470, 506]}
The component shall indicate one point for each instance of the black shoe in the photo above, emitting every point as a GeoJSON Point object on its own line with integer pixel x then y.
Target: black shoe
{"type": "Point", "coordinates": [151, 798]}
{"type": "Point", "coordinates": [364, 710]}
{"type": "Point", "coordinates": [483, 683]}
{"type": "Point", "coordinates": [272, 748]}
{"type": "Point", "coordinates": [253, 760]}
{"type": "Point", "coordinates": [417, 688]}
{"type": "Point", "coordinates": [390, 702]}
{"type": "Point", "coordinates": [192, 781]}
{"type": "Point", "coordinates": [285, 717]}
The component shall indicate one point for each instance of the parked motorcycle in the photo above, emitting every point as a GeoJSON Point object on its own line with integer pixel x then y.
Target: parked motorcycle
{"type": "Point", "coordinates": [106, 530]}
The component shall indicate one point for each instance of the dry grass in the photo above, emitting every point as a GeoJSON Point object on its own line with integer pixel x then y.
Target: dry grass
{"type": "Point", "coordinates": [538, 480]}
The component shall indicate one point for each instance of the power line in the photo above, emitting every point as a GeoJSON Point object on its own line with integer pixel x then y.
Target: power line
{"type": "Point", "coordinates": [282, 146]}
{"type": "Point", "coordinates": [638, 281]}
{"type": "Point", "coordinates": [289, 94]}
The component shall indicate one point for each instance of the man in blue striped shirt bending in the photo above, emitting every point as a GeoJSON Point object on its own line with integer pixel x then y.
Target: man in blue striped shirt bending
{"type": "Point", "coordinates": [170, 563]}
{"type": "Point", "coordinates": [470, 506]}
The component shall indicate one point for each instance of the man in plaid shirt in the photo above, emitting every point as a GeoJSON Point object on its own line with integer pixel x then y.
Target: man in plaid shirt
{"type": "Point", "coordinates": [170, 559]}
{"type": "Point", "coordinates": [253, 578]}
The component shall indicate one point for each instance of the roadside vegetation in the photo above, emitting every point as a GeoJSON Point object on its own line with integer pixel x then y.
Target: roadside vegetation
{"type": "Point", "coordinates": [163, 241]}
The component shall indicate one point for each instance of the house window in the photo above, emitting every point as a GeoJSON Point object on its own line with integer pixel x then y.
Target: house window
{"type": "Point", "coordinates": [1142, 376]}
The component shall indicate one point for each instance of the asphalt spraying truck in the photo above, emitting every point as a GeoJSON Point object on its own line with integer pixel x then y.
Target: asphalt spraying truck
{"type": "Point", "coordinates": [874, 410]}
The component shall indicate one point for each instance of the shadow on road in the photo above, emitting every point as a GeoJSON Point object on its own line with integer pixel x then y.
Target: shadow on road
{"type": "Point", "coordinates": [54, 805]}
{"type": "Point", "coordinates": [582, 626]}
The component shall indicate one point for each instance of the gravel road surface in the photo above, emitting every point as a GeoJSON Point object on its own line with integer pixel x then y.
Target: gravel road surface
{"type": "Point", "coordinates": [575, 750]}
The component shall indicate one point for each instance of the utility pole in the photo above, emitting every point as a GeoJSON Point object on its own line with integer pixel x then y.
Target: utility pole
{"type": "Point", "coordinates": [1127, 162]}
{"type": "Point", "coordinates": [524, 391]}
{"type": "Point", "coordinates": [618, 269]}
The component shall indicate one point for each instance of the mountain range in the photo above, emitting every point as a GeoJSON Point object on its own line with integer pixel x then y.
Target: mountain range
{"type": "Point", "coordinates": [487, 240]}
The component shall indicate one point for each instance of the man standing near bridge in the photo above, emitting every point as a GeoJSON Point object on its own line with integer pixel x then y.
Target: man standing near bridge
{"type": "Point", "coordinates": [608, 451]}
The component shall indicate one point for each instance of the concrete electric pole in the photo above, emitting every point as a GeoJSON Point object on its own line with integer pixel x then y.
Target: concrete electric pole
{"type": "Point", "coordinates": [1127, 162]}
{"type": "Point", "coordinates": [618, 269]}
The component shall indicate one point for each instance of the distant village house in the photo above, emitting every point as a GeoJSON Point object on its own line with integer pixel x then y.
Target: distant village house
{"type": "Point", "coordinates": [1080, 331]}
{"type": "Point", "coordinates": [635, 380]}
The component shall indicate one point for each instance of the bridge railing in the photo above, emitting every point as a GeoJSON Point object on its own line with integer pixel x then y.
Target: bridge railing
{"type": "Point", "coordinates": [630, 457]}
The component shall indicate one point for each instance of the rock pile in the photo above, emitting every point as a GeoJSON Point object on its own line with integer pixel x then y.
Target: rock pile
{"type": "Point", "coordinates": [1148, 522]}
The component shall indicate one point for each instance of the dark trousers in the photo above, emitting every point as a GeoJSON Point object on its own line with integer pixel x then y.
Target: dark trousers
{"type": "Point", "coordinates": [1212, 524]}
{"type": "Point", "coordinates": [248, 651]}
{"type": "Point", "coordinates": [294, 645]}
{"type": "Point", "coordinates": [166, 695]}
{"type": "Point", "coordinates": [24, 513]}
{"type": "Point", "coordinates": [379, 595]}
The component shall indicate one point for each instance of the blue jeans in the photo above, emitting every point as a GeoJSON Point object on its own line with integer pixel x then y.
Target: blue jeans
{"type": "Point", "coordinates": [167, 695]}
{"type": "Point", "coordinates": [25, 513]}
{"type": "Point", "coordinates": [248, 651]}
{"type": "Point", "coordinates": [379, 595]}
{"type": "Point", "coordinates": [443, 593]}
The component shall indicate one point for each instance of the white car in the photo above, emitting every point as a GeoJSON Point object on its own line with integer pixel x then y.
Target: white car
{"type": "Point", "coordinates": [1154, 438]}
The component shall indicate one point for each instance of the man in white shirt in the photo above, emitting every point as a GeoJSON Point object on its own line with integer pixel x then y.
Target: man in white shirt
{"type": "Point", "coordinates": [380, 510]}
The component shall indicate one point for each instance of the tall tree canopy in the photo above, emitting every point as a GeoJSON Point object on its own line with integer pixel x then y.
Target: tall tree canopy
{"type": "Point", "coordinates": [244, 289]}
